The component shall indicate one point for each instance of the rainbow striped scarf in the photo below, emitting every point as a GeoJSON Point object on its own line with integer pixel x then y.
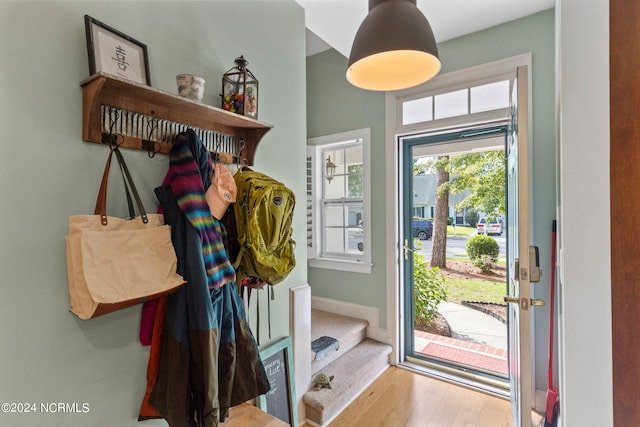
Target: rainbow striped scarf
{"type": "Point", "coordinates": [190, 166]}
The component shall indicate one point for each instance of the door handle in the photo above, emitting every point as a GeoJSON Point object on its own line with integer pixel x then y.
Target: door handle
{"type": "Point", "coordinates": [524, 303]}
{"type": "Point", "coordinates": [407, 249]}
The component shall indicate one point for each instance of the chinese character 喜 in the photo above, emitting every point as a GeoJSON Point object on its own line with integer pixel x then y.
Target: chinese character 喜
{"type": "Point", "coordinates": [120, 58]}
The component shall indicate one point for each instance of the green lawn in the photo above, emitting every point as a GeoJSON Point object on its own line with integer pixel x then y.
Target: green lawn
{"type": "Point", "coordinates": [475, 290]}
{"type": "Point", "coordinates": [460, 230]}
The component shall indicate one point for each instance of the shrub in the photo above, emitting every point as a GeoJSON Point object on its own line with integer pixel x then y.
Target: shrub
{"type": "Point", "coordinates": [428, 289]}
{"type": "Point", "coordinates": [483, 251]}
{"type": "Point", "coordinates": [485, 263]}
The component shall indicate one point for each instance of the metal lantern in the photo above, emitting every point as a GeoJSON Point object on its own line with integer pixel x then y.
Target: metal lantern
{"type": "Point", "coordinates": [240, 90]}
{"type": "Point", "coordinates": [330, 169]}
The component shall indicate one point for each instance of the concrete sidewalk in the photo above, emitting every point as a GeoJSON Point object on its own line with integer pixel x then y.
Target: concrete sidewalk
{"type": "Point", "coordinates": [474, 326]}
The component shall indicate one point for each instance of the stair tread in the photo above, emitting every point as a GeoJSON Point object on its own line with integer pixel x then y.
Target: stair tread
{"type": "Point", "coordinates": [333, 325]}
{"type": "Point", "coordinates": [352, 372]}
{"type": "Point", "coordinates": [348, 331]}
{"type": "Point", "coordinates": [351, 365]}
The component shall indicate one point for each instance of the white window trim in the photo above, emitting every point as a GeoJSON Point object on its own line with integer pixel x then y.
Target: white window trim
{"type": "Point", "coordinates": [314, 146]}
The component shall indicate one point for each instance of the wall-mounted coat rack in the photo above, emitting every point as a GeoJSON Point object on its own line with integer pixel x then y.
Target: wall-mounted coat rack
{"type": "Point", "coordinates": [149, 119]}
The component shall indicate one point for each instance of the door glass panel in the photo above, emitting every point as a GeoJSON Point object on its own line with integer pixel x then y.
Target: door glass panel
{"type": "Point", "coordinates": [467, 329]}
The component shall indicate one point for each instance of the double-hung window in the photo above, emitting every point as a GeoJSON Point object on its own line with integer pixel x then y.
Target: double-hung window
{"type": "Point", "coordinates": [338, 201]}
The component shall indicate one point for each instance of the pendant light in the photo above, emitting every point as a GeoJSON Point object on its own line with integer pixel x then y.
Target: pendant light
{"type": "Point", "coordinates": [394, 48]}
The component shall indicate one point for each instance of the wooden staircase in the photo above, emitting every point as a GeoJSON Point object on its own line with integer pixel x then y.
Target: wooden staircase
{"type": "Point", "coordinates": [356, 362]}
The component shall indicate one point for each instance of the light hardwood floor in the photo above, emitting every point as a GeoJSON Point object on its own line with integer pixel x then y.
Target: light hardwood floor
{"type": "Point", "coordinates": [400, 398]}
{"type": "Point", "coordinates": [247, 415]}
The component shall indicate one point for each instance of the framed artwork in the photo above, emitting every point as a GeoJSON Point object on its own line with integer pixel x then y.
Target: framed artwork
{"type": "Point", "coordinates": [115, 53]}
{"type": "Point", "coordinates": [280, 401]}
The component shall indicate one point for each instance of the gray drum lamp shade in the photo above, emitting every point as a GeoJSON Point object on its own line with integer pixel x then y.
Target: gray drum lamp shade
{"type": "Point", "coordinates": [394, 48]}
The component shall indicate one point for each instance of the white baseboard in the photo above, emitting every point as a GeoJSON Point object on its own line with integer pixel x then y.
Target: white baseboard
{"type": "Point", "coordinates": [540, 401]}
{"type": "Point", "coordinates": [370, 314]}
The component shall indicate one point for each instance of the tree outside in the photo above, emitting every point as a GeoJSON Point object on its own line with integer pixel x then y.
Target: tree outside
{"type": "Point", "coordinates": [439, 249]}
{"type": "Point", "coordinates": [477, 281]}
{"type": "Point", "coordinates": [483, 174]}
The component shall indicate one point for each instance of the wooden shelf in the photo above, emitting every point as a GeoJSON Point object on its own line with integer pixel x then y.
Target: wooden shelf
{"type": "Point", "coordinates": [144, 113]}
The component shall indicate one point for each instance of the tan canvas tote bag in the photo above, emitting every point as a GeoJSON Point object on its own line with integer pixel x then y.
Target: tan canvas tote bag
{"type": "Point", "coordinates": [114, 263]}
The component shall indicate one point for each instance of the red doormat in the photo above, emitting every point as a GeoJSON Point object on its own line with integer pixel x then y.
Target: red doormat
{"type": "Point", "coordinates": [472, 358]}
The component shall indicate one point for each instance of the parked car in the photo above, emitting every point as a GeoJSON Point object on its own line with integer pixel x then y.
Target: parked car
{"type": "Point", "coordinates": [422, 229]}
{"type": "Point", "coordinates": [490, 227]}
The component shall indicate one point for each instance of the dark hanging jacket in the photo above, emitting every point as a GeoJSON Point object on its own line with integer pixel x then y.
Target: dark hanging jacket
{"type": "Point", "coordinates": [208, 358]}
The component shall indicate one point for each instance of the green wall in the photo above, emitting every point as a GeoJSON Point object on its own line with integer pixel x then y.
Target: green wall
{"type": "Point", "coordinates": [334, 106]}
{"type": "Point", "coordinates": [48, 173]}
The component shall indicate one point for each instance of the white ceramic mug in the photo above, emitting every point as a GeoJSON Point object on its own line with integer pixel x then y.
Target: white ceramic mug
{"type": "Point", "coordinates": [190, 86]}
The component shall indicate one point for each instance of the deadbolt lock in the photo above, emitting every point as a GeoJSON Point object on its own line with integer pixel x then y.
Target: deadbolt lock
{"type": "Point", "coordinates": [533, 272]}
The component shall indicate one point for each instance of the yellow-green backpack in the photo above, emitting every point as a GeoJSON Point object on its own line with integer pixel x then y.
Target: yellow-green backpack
{"type": "Point", "coordinates": [263, 214]}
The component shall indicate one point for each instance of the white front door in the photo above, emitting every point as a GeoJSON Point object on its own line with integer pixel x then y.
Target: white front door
{"type": "Point", "coordinates": [519, 312]}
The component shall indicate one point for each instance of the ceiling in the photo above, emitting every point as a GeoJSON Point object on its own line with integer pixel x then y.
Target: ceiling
{"type": "Point", "coordinates": [334, 23]}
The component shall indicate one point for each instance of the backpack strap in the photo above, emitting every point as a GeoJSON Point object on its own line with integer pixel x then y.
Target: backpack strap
{"type": "Point", "coordinates": [239, 257]}
{"type": "Point", "coordinates": [269, 290]}
{"type": "Point", "coordinates": [258, 319]}
{"type": "Point", "coordinates": [247, 290]}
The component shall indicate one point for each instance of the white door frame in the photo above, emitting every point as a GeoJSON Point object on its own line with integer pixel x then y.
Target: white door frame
{"type": "Point", "coordinates": [394, 127]}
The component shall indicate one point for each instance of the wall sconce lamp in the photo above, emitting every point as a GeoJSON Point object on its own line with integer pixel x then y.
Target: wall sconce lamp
{"type": "Point", "coordinates": [394, 48]}
{"type": "Point", "coordinates": [330, 168]}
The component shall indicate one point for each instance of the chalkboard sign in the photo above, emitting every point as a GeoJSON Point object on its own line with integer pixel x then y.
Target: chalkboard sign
{"type": "Point", "coordinates": [280, 401]}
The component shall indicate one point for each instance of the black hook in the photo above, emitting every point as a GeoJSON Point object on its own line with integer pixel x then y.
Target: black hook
{"type": "Point", "coordinates": [111, 138]}
{"type": "Point", "coordinates": [152, 147]}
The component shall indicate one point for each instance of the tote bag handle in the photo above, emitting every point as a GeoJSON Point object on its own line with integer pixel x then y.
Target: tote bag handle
{"type": "Point", "coordinates": [101, 202]}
